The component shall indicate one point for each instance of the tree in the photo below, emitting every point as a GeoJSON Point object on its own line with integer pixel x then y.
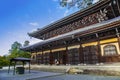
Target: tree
{"type": "Point", "coordinates": [15, 49]}
{"type": "Point", "coordinates": [78, 3]}
{"type": "Point", "coordinates": [24, 54]}
{"type": "Point", "coordinates": [16, 45]}
{"type": "Point", "coordinates": [26, 43]}
{"type": "Point", "coordinates": [16, 52]}
{"type": "Point", "coordinates": [3, 61]}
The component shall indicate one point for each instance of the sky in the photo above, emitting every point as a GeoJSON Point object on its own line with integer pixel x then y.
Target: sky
{"type": "Point", "coordinates": [18, 17]}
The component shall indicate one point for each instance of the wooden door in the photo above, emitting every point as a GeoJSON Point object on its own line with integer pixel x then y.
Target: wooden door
{"type": "Point", "coordinates": [73, 56]}
{"type": "Point", "coordinates": [90, 54]}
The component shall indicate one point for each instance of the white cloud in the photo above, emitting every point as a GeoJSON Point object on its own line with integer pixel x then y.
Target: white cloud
{"type": "Point", "coordinates": [34, 24]}
{"type": "Point", "coordinates": [66, 12]}
{"type": "Point", "coordinates": [52, 21]}
{"type": "Point", "coordinates": [94, 1]}
{"type": "Point", "coordinates": [69, 1]}
{"type": "Point", "coordinates": [33, 30]}
{"type": "Point", "coordinates": [60, 7]}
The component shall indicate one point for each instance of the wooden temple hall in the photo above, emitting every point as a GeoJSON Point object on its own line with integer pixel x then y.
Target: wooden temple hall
{"type": "Point", "coordinates": [89, 36]}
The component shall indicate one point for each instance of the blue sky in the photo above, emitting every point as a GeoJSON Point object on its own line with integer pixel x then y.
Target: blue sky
{"type": "Point", "coordinates": [18, 17]}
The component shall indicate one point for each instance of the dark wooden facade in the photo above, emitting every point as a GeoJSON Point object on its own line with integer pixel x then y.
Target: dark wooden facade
{"type": "Point", "coordinates": [88, 36]}
{"type": "Point", "coordinates": [105, 10]}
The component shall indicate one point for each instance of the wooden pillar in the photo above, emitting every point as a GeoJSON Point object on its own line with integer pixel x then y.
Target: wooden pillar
{"type": "Point", "coordinates": [9, 67]}
{"type": "Point", "coordinates": [99, 49]}
{"type": "Point", "coordinates": [31, 56]}
{"type": "Point", "coordinates": [118, 37]}
{"type": "Point", "coordinates": [67, 59]}
{"type": "Point", "coordinates": [50, 57]}
{"type": "Point", "coordinates": [36, 58]}
{"type": "Point", "coordinates": [29, 66]}
{"type": "Point", "coordinates": [42, 57]}
{"type": "Point", "coordinates": [81, 55]}
{"type": "Point", "coordinates": [14, 68]}
{"type": "Point", "coordinates": [23, 63]}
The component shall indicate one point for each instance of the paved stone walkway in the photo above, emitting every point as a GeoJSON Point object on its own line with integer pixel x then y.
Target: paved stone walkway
{"type": "Point", "coordinates": [34, 74]}
{"type": "Point", "coordinates": [39, 75]}
{"type": "Point", "coordinates": [78, 77]}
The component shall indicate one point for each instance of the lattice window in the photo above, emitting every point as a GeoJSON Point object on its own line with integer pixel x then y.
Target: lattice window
{"type": "Point", "coordinates": [110, 50]}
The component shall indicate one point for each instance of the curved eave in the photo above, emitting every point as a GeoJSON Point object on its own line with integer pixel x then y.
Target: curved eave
{"type": "Point", "coordinates": [88, 29]}
{"type": "Point", "coordinates": [68, 19]}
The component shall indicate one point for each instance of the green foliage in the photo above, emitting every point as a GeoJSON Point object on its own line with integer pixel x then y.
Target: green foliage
{"type": "Point", "coordinates": [76, 3]}
{"type": "Point", "coordinates": [15, 52]}
{"type": "Point", "coordinates": [4, 61]}
{"type": "Point", "coordinates": [15, 45]}
{"type": "Point", "coordinates": [24, 54]}
{"type": "Point", "coordinates": [26, 43]}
